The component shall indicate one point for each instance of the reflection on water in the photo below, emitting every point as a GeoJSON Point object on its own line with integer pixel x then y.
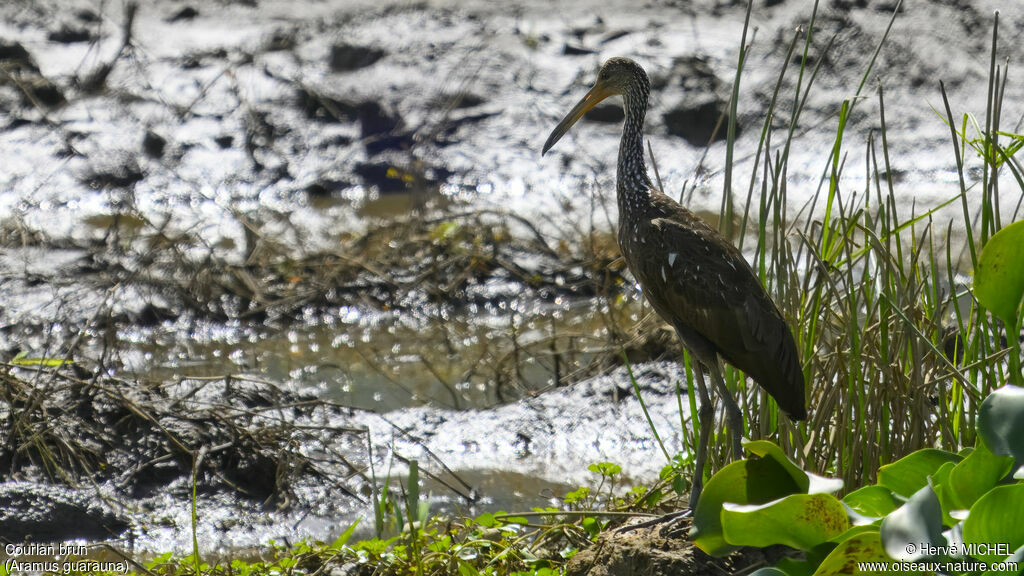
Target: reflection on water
{"type": "Point", "coordinates": [505, 490]}
{"type": "Point", "coordinates": [476, 356]}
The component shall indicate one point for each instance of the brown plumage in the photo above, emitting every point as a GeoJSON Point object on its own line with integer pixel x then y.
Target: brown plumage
{"type": "Point", "coordinates": [694, 278]}
{"type": "Point", "coordinates": [712, 297]}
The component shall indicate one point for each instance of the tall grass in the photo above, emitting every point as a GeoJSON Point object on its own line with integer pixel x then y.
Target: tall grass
{"type": "Point", "coordinates": [896, 352]}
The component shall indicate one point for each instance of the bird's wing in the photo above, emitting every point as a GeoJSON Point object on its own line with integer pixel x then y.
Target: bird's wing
{"type": "Point", "coordinates": [708, 285]}
{"type": "Point", "coordinates": [702, 284]}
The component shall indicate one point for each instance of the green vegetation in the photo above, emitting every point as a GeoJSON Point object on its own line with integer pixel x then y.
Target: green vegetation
{"type": "Point", "coordinates": [767, 500]}
{"type": "Point", "coordinates": [917, 409]}
{"type": "Point", "coordinates": [999, 285]}
{"type": "Point", "coordinates": [535, 543]}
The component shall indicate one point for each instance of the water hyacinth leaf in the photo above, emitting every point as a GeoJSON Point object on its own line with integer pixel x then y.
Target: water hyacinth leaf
{"type": "Point", "coordinates": [865, 547]}
{"type": "Point", "coordinates": [800, 521]}
{"type": "Point", "coordinates": [909, 474]}
{"type": "Point", "coordinates": [1001, 422]}
{"type": "Point", "coordinates": [909, 530]}
{"type": "Point", "coordinates": [751, 481]}
{"type": "Point", "coordinates": [941, 476]}
{"type": "Point", "coordinates": [1017, 557]}
{"type": "Point", "coordinates": [766, 449]}
{"type": "Point", "coordinates": [996, 518]}
{"type": "Point", "coordinates": [822, 484]}
{"type": "Point", "coordinates": [809, 563]}
{"type": "Point", "coordinates": [999, 278]}
{"type": "Point", "coordinates": [858, 519]}
{"type": "Point", "coordinates": [854, 531]}
{"type": "Point", "coordinates": [875, 501]}
{"type": "Point", "coordinates": [976, 475]}
{"type": "Point", "coordinates": [940, 483]}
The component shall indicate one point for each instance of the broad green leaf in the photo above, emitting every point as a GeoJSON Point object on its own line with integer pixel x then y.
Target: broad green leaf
{"type": "Point", "coordinates": [999, 278]}
{"type": "Point", "coordinates": [854, 531]}
{"type": "Point", "coordinates": [800, 521]}
{"type": "Point", "coordinates": [940, 483]}
{"type": "Point", "coordinates": [1001, 421]}
{"type": "Point", "coordinates": [766, 449]}
{"type": "Point", "coordinates": [913, 526]}
{"type": "Point", "coordinates": [942, 474]}
{"type": "Point", "coordinates": [1017, 557]}
{"type": "Point", "coordinates": [976, 475]}
{"type": "Point", "coordinates": [875, 501]}
{"type": "Point", "coordinates": [807, 565]}
{"type": "Point", "coordinates": [808, 482]}
{"type": "Point", "coordinates": [751, 481]}
{"type": "Point", "coordinates": [909, 474]}
{"type": "Point", "coordinates": [996, 518]}
{"type": "Point", "coordinates": [823, 485]}
{"type": "Point", "coordinates": [844, 559]}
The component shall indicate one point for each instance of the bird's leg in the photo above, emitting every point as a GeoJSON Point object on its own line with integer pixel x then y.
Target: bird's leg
{"type": "Point", "coordinates": [706, 415]}
{"type": "Point", "coordinates": [732, 410]}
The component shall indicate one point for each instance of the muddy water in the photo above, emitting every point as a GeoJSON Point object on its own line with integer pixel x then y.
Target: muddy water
{"type": "Point", "coordinates": [475, 356]}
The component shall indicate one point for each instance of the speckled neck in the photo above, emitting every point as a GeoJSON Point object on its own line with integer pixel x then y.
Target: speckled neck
{"type": "Point", "coordinates": [632, 183]}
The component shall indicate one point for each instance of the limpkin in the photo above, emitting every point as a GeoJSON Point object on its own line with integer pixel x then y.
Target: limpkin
{"type": "Point", "coordinates": [695, 279]}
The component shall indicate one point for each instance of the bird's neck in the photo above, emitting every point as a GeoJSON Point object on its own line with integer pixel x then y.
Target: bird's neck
{"type": "Point", "coordinates": [632, 183]}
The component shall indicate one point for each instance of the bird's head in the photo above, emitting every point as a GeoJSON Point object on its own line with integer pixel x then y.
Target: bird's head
{"type": "Point", "coordinates": [617, 76]}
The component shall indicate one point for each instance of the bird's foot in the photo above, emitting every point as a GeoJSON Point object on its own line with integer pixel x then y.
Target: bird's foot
{"type": "Point", "coordinates": [674, 524]}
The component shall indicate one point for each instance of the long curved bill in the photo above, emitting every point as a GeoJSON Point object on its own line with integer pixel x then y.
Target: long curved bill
{"type": "Point", "coordinates": [595, 95]}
